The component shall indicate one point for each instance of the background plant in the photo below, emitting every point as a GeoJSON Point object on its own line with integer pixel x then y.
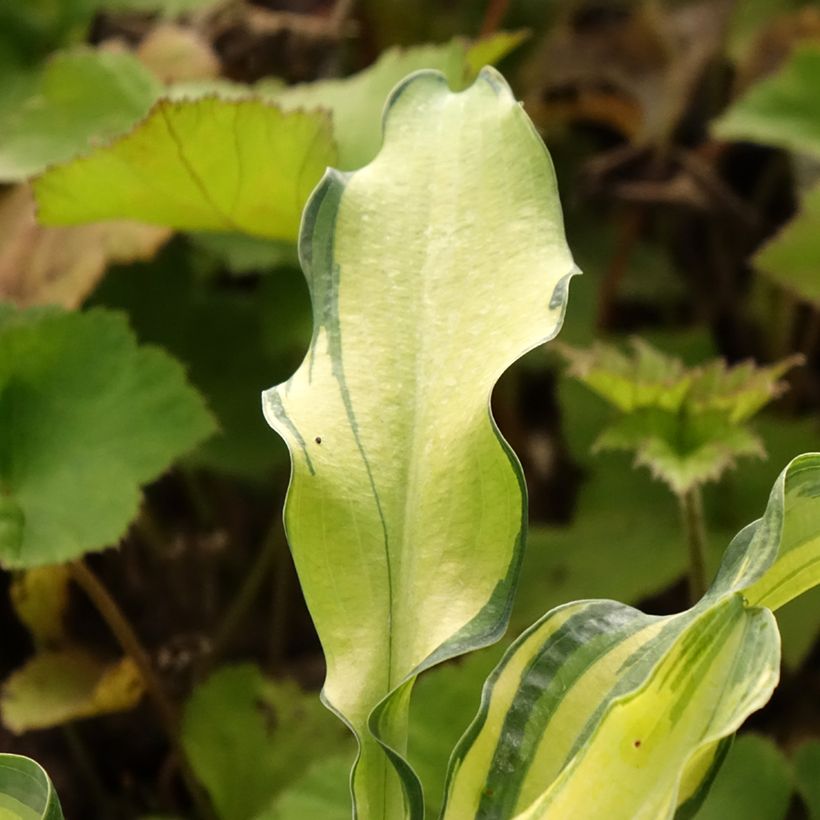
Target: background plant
{"type": "Point", "coordinates": [664, 213]}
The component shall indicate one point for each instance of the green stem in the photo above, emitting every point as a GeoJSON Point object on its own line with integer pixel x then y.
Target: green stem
{"type": "Point", "coordinates": [122, 630]}
{"type": "Point", "coordinates": [691, 505]}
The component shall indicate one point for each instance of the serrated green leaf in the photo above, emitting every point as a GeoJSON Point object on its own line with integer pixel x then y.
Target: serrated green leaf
{"type": "Point", "coordinates": [230, 341]}
{"type": "Point", "coordinates": [685, 424]}
{"type": "Point", "coordinates": [782, 109]}
{"type": "Point", "coordinates": [599, 710]}
{"type": "Point", "coordinates": [249, 737]}
{"type": "Point", "coordinates": [356, 102]}
{"type": "Point", "coordinates": [204, 165]}
{"type": "Point", "coordinates": [26, 792]}
{"type": "Point", "coordinates": [56, 687]}
{"type": "Point", "coordinates": [86, 417]}
{"type": "Point", "coordinates": [807, 776]}
{"type": "Point", "coordinates": [83, 97]}
{"type": "Point", "coordinates": [754, 781]}
{"type": "Point", "coordinates": [431, 270]}
{"type": "Point", "coordinates": [792, 257]}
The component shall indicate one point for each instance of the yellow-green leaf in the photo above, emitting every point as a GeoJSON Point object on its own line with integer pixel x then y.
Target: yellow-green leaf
{"type": "Point", "coordinates": [204, 164]}
{"type": "Point", "coordinates": [40, 598]}
{"type": "Point", "coordinates": [599, 710]}
{"type": "Point", "coordinates": [431, 270]}
{"type": "Point", "coordinates": [57, 687]}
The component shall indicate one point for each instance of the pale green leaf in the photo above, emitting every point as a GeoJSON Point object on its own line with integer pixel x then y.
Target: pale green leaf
{"type": "Point", "coordinates": [205, 164]}
{"type": "Point", "coordinates": [82, 98]}
{"type": "Point", "coordinates": [599, 710]}
{"type": "Point", "coordinates": [754, 781]}
{"type": "Point", "coordinates": [26, 792]}
{"type": "Point", "coordinates": [807, 776]}
{"type": "Point", "coordinates": [792, 257]}
{"type": "Point", "coordinates": [431, 270]}
{"type": "Point", "coordinates": [56, 687]}
{"type": "Point", "coordinates": [356, 102]}
{"type": "Point", "coordinates": [86, 417]}
{"type": "Point", "coordinates": [249, 737]}
{"type": "Point", "coordinates": [783, 109]}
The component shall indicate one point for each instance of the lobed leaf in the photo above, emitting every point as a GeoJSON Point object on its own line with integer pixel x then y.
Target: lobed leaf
{"type": "Point", "coordinates": [26, 792]}
{"type": "Point", "coordinates": [430, 270]}
{"type": "Point", "coordinates": [685, 424]}
{"type": "Point", "coordinates": [86, 417]}
{"type": "Point", "coordinates": [600, 709]}
{"type": "Point", "coordinates": [202, 164]}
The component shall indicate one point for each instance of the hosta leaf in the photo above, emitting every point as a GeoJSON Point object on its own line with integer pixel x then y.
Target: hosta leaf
{"type": "Point", "coordinates": [356, 102]}
{"type": "Point", "coordinates": [249, 737]}
{"type": "Point", "coordinates": [431, 270]}
{"type": "Point", "coordinates": [57, 687]}
{"type": "Point", "coordinates": [82, 97]}
{"type": "Point", "coordinates": [26, 792]}
{"type": "Point", "coordinates": [792, 257]}
{"type": "Point", "coordinates": [204, 164]}
{"type": "Point", "coordinates": [684, 424]}
{"type": "Point", "coordinates": [782, 109]}
{"type": "Point", "coordinates": [599, 710]}
{"type": "Point", "coordinates": [86, 417]}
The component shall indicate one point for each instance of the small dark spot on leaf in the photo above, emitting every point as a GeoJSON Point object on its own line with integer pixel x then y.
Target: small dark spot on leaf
{"type": "Point", "coordinates": [636, 744]}
{"type": "Point", "coordinates": [318, 439]}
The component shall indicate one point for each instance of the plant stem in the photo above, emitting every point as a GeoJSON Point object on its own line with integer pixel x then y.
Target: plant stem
{"type": "Point", "coordinates": [691, 505]}
{"type": "Point", "coordinates": [122, 630]}
{"type": "Point", "coordinates": [249, 591]}
{"type": "Point", "coordinates": [86, 770]}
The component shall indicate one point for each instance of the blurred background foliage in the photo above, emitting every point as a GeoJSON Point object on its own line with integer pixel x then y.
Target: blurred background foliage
{"type": "Point", "coordinates": [686, 139]}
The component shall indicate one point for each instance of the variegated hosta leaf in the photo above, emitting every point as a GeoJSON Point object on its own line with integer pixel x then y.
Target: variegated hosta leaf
{"type": "Point", "coordinates": [26, 792]}
{"type": "Point", "coordinates": [686, 424]}
{"type": "Point", "coordinates": [599, 710]}
{"type": "Point", "coordinates": [431, 270]}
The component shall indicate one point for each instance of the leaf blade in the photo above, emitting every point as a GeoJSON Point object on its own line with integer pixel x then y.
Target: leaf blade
{"type": "Point", "coordinates": [373, 474]}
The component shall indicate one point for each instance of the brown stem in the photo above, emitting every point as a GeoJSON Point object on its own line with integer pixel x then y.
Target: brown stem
{"type": "Point", "coordinates": [493, 17]}
{"type": "Point", "coordinates": [122, 630]}
{"type": "Point", "coordinates": [691, 506]}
